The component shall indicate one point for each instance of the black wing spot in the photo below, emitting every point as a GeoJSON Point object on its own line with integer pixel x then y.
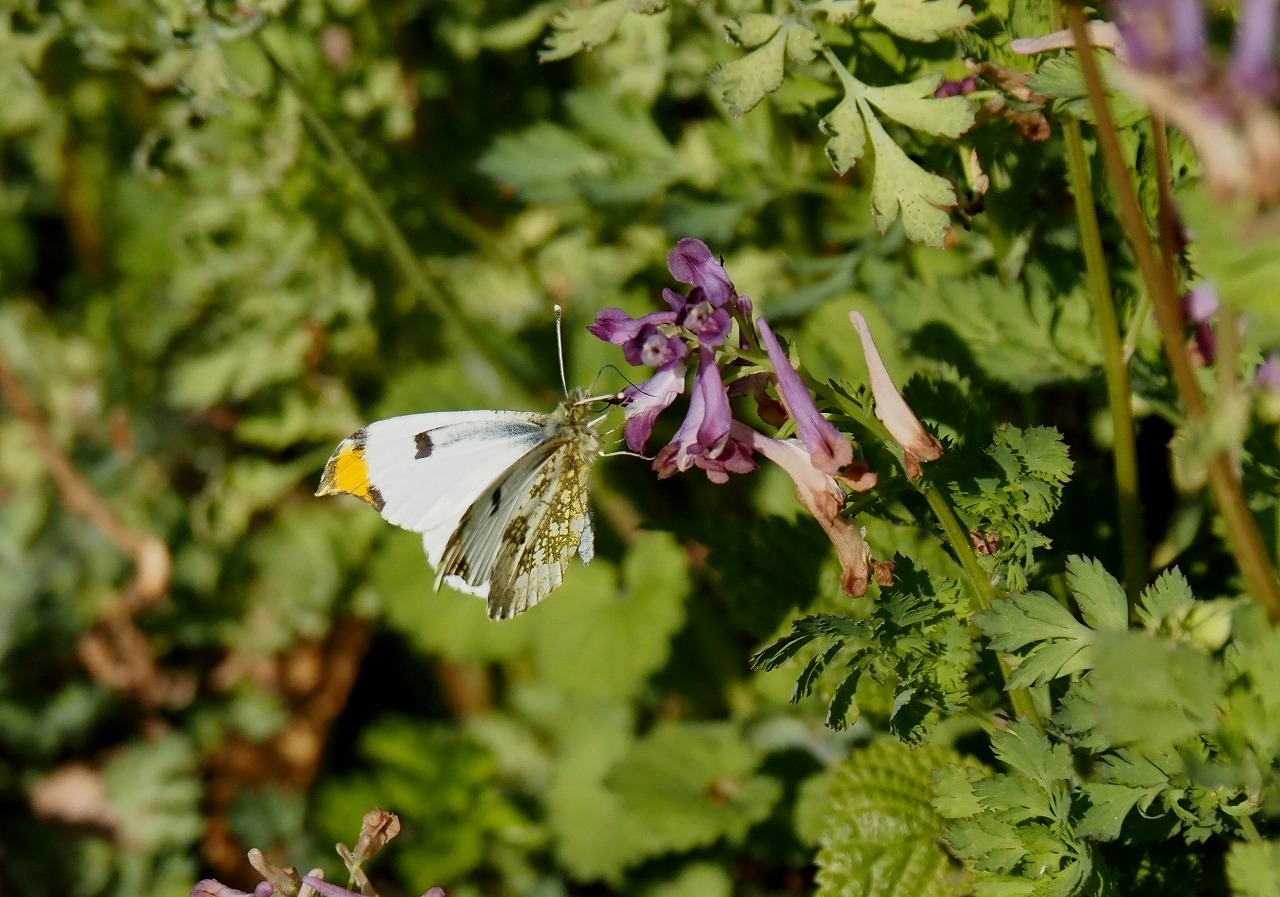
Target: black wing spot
{"type": "Point", "coordinates": [424, 444]}
{"type": "Point", "coordinates": [495, 501]}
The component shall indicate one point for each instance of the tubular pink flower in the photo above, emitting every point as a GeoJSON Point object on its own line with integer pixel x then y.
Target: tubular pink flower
{"type": "Point", "coordinates": [823, 498]}
{"type": "Point", "coordinates": [645, 402]}
{"type": "Point", "coordinates": [917, 443]}
{"type": "Point", "coordinates": [703, 438]}
{"type": "Point", "coordinates": [830, 449]}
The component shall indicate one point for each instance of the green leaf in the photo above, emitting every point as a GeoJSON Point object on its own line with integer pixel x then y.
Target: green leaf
{"type": "Point", "coordinates": [754, 28]}
{"type": "Point", "coordinates": [922, 20]}
{"type": "Point", "coordinates": [848, 134]}
{"type": "Point", "coordinates": [837, 11]}
{"type": "Point", "coordinates": [542, 162]}
{"type": "Point", "coordinates": [579, 28]}
{"type": "Point", "coordinates": [914, 105]}
{"type": "Point", "coordinates": [689, 784]}
{"type": "Point", "coordinates": [1025, 750]}
{"type": "Point", "coordinates": [1149, 691]}
{"type": "Point", "coordinates": [620, 630]}
{"type": "Point", "coordinates": [1169, 595]}
{"type": "Point", "coordinates": [1100, 597]}
{"type": "Point", "coordinates": [901, 186]}
{"type": "Point", "coordinates": [1106, 807]}
{"type": "Point", "coordinates": [154, 790]}
{"type": "Point", "coordinates": [1253, 868]}
{"type": "Point", "coordinates": [743, 83]}
{"type": "Point", "coordinates": [1057, 641]}
{"type": "Point", "coordinates": [882, 836]}
{"type": "Point", "coordinates": [695, 880]}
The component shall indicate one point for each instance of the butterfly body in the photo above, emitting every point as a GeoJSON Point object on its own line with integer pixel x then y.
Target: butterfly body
{"type": "Point", "coordinates": [501, 497]}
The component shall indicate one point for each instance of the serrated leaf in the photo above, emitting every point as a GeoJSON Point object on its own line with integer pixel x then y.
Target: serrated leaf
{"type": "Point", "coordinates": [1024, 749]}
{"type": "Point", "coordinates": [576, 29]}
{"type": "Point", "coordinates": [990, 844]}
{"type": "Point", "coordinates": [743, 83]}
{"type": "Point", "coordinates": [1253, 868]}
{"type": "Point", "coordinates": [842, 700]}
{"type": "Point", "coordinates": [953, 794]}
{"type": "Point", "coordinates": [881, 838]}
{"type": "Point", "coordinates": [1168, 595]}
{"type": "Point", "coordinates": [922, 20]}
{"type": "Point", "coordinates": [1026, 618]}
{"type": "Point", "coordinates": [848, 134]}
{"type": "Point", "coordinates": [1099, 595]}
{"type": "Point", "coordinates": [1106, 807]}
{"type": "Point", "coordinates": [914, 105]}
{"type": "Point", "coordinates": [900, 186]}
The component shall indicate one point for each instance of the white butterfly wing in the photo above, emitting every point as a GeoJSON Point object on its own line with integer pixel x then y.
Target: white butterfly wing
{"type": "Point", "coordinates": [423, 471]}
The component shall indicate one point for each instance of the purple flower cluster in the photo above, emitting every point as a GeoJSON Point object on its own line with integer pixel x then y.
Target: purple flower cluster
{"type": "Point", "coordinates": [956, 88]}
{"type": "Point", "coordinates": [695, 331]}
{"type": "Point", "coordinates": [693, 328]}
{"type": "Point", "coordinates": [1200, 307]}
{"type": "Point", "coordinates": [1225, 108]}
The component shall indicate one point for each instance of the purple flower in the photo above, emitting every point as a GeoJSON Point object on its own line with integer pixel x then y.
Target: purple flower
{"type": "Point", "coordinates": [1166, 36]}
{"type": "Point", "coordinates": [1252, 66]}
{"type": "Point", "coordinates": [691, 262]}
{"type": "Point", "coordinates": [641, 339]}
{"type": "Point", "coordinates": [1200, 303]}
{"type": "Point", "coordinates": [328, 889]}
{"type": "Point", "coordinates": [703, 438]}
{"type": "Point", "coordinates": [828, 447]}
{"type": "Point", "coordinates": [708, 323]}
{"type": "Point", "coordinates": [645, 402]}
{"type": "Point", "coordinates": [1268, 375]}
{"type": "Point", "coordinates": [210, 888]}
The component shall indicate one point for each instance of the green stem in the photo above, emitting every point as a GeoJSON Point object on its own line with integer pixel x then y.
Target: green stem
{"type": "Point", "coordinates": [980, 586]}
{"type": "Point", "coordinates": [1133, 547]}
{"type": "Point", "coordinates": [1243, 538]}
{"type": "Point", "coordinates": [508, 359]}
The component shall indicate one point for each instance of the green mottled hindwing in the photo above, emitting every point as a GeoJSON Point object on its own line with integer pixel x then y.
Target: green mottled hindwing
{"type": "Point", "coordinates": [524, 529]}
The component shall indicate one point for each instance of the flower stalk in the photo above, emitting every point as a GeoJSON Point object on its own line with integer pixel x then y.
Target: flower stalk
{"type": "Point", "coordinates": [1243, 538]}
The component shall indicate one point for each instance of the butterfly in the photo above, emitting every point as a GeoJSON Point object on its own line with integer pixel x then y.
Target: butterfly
{"type": "Point", "coordinates": [500, 497]}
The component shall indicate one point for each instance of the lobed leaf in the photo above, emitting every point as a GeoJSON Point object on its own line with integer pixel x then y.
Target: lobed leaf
{"type": "Point", "coordinates": [922, 20]}
{"type": "Point", "coordinates": [901, 187]}
{"type": "Point", "coordinates": [742, 83]}
{"type": "Point", "coordinates": [914, 105]}
{"type": "Point", "coordinates": [848, 138]}
{"type": "Point", "coordinates": [576, 29]}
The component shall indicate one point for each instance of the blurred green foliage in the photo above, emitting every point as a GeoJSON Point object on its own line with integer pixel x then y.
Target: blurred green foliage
{"type": "Point", "coordinates": [232, 232]}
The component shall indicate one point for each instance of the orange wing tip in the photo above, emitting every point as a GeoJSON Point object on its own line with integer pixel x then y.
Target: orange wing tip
{"type": "Point", "coordinates": [347, 474]}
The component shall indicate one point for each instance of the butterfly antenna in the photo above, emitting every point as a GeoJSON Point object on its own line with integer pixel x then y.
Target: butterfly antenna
{"type": "Point", "coordinates": [564, 383]}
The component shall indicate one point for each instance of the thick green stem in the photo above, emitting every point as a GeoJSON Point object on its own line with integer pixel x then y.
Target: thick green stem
{"type": "Point", "coordinates": [1243, 538]}
{"type": "Point", "coordinates": [1133, 543]}
{"type": "Point", "coordinates": [508, 359]}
